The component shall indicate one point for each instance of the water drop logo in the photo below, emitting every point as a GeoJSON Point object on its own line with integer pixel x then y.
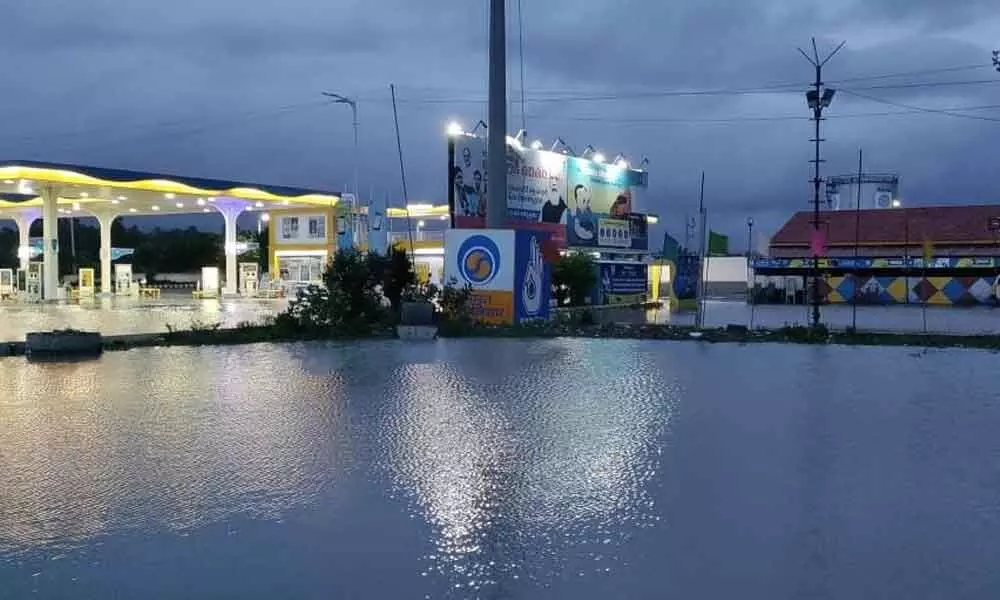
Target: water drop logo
{"type": "Point", "coordinates": [479, 260]}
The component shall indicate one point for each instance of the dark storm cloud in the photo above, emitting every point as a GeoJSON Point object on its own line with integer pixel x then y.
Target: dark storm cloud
{"type": "Point", "coordinates": [224, 89]}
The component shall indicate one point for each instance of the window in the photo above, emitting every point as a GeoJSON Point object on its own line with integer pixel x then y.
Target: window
{"type": "Point", "coordinates": [317, 228]}
{"type": "Point", "coordinates": [289, 228]}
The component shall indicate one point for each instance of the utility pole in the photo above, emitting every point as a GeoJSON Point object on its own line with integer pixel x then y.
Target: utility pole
{"type": "Point", "coordinates": [857, 238]}
{"type": "Point", "coordinates": [703, 261]}
{"type": "Point", "coordinates": [817, 98]}
{"type": "Point", "coordinates": [496, 168]}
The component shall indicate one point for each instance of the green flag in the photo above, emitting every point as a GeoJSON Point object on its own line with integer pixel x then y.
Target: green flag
{"type": "Point", "coordinates": [718, 244]}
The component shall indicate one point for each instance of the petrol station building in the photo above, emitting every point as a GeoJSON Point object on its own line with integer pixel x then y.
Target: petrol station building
{"type": "Point", "coordinates": [306, 225]}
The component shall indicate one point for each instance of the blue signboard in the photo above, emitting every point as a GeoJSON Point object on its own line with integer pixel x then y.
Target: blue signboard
{"type": "Point", "coordinates": [618, 280]}
{"type": "Point", "coordinates": [532, 277]}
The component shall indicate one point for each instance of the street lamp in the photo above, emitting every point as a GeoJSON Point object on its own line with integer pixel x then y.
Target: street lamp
{"type": "Point", "coordinates": [340, 99]}
{"type": "Point", "coordinates": [817, 99]}
{"type": "Point", "coordinates": [749, 237]}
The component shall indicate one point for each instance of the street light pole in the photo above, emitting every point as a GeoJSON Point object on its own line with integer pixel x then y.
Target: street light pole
{"type": "Point", "coordinates": [817, 98]}
{"type": "Point", "coordinates": [340, 99]}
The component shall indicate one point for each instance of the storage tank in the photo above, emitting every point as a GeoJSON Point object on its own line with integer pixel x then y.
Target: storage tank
{"type": "Point", "coordinates": [878, 191]}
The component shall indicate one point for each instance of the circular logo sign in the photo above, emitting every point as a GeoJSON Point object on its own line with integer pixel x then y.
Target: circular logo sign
{"type": "Point", "coordinates": [479, 260]}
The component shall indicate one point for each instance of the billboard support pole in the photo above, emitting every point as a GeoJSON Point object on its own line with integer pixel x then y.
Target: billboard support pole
{"type": "Point", "coordinates": [402, 174]}
{"type": "Point", "coordinates": [451, 180]}
{"type": "Point", "coordinates": [496, 191]}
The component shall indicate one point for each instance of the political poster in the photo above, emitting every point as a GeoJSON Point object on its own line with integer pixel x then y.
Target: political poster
{"type": "Point", "coordinates": [469, 178]}
{"type": "Point", "coordinates": [549, 192]}
{"type": "Point", "coordinates": [596, 191]}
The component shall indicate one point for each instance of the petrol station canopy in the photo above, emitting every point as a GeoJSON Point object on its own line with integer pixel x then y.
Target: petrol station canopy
{"type": "Point", "coordinates": [124, 192]}
{"type": "Point", "coordinates": [88, 188]}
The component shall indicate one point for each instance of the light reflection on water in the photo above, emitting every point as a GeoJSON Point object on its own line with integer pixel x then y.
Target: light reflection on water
{"type": "Point", "coordinates": [154, 440]}
{"type": "Point", "coordinates": [123, 315]}
{"type": "Point", "coordinates": [500, 468]}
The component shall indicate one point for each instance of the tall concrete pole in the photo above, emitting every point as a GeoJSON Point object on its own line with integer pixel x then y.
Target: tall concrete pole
{"type": "Point", "coordinates": [496, 191]}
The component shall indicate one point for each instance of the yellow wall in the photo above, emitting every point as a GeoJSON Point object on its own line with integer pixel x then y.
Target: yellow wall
{"type": "Point", "coordinates": [330, 244]}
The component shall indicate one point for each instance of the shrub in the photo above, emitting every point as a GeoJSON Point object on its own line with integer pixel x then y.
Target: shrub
{"type": "Point", "coordinates": [348, 304]}
{"type": "Point", "coordinates": [574, 277]}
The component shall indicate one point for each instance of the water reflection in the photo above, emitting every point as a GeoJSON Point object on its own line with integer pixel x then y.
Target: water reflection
{"type": "Point", "coordinates": [516, 471]}
{"type": "Point", "coordinates": [155, 440]}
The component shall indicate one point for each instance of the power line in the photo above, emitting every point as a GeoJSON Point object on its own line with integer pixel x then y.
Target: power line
{"type": "Point", "coordinates": [763, 87]}
{"type": "Point", "coordinates": [912, 73]}
{"type": "Point", "coordinates": [782, 89]}
{"type": "Point", "coordinates": [751, 118]}
{"type": "Point", "coordinates": [923, 109]}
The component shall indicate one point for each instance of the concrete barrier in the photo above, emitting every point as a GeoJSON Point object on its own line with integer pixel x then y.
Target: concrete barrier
{"type": "Point", "coordinates": [69, 342]}
{"type": "Point", "coordinates": [416, 313]}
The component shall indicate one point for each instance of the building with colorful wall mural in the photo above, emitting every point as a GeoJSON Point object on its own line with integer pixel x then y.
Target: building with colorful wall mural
{"type": "Point", "coordinates": [947, 255]}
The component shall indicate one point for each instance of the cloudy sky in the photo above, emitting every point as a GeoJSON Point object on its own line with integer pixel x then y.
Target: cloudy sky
{"type": "Point", "coordinates": [231, 89]}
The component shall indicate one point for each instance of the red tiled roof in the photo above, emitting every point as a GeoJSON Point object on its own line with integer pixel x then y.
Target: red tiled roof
{"type": "Point", "coordinates": [940, 225]}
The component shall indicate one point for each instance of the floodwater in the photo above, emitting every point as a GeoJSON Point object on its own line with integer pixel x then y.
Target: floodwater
{"type": "Point", "coordinates": [583, 469]}
{"type": "Point", "coordinates": [113, 316]}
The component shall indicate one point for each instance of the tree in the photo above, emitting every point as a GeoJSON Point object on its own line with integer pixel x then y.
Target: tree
{"type": "Point", "coordinates": [397, 277]}
{"type": "Point", "coordinates": [574, 277]}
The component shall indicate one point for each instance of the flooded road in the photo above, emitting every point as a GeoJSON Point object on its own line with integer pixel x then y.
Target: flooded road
{"type": "Point", "coordinates": [585, 469]}
{"type": "Point", "coordinates": [115, 316]}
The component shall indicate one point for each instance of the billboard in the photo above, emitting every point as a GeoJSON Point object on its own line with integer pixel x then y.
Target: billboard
{"type": "Point", "coordinates": [469, 180]}
{"type": "Point", "coordinates": [622, 283]}
{"type": "Point", "coordinates": [598, 192]}
{"type": "Point", "coordinates": [536, 184]}
{"type": "Point", "coordinates": [483, 259]}
{"type": "Point", "coordinates": [510, 279]}
{"type": "Point", "coordinates": [550, 192]}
